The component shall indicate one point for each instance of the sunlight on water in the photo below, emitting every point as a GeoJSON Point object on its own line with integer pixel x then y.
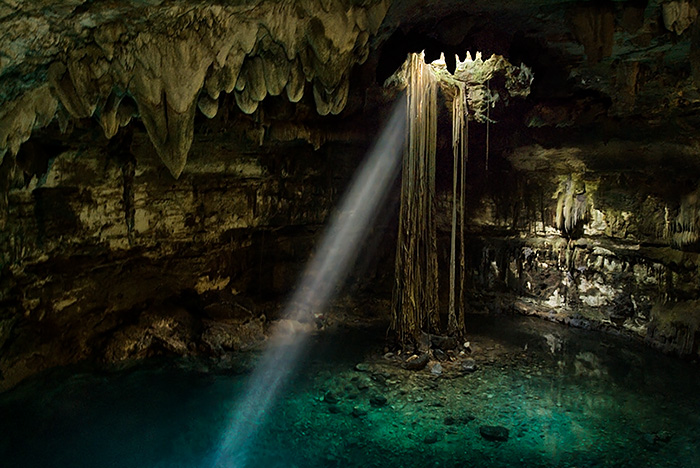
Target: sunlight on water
{"type": "Point", "coordinates": [335, 255]}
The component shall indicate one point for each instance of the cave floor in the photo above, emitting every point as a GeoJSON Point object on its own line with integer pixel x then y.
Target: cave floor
{"type": "Point", "coordinates": [568, 398]}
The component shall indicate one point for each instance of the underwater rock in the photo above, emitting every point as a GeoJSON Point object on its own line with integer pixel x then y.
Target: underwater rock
{"type": "Point", "coordinates": [362, 385]}
{"type": "Point", "coordinates": [380, 377]}
{"type": "Point", "coordinates": [655, 438]}
{"type": "Point", "coordinates": [330, 398]}
{"type": "Point", "coordinates": [362, 367]}
{"type": "Point", "coordinates": [334, 409]}
{"type": "Point", "coordinates": [358, 412]}
{"type": "Point", "coordinates": [449, 421]}
{"type": "Point", "coordinates": [431, 438]}
{"type": "Point", "coordinates": [436, 369]}
{"type": "Point", "coordinates": [377, 401]}
{"type": "Point", "coordinates": [468, 366]}
{"type": "Point", "coordinates": [416, 362]}
{"type": "Point", "coordinates": [494, 433]}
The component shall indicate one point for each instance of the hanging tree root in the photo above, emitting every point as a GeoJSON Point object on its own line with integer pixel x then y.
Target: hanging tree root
{"type": "Point", "coordinates": [415, 307]}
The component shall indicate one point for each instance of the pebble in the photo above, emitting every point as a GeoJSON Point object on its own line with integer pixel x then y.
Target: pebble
{"type": "Point", "coordinates": [362, 367]}
{"type": "Point", "coordinates": [358, 412]}
{"type": "Point", "coordinates": [377, 401]}
{"type": "Point", "coordinates": [468, 366]}
{"type": "Point", "coordinates": [494, 433]}
{"type": "Point", "coordinates": [436, 369]}
{"type": "Point", "coordinates": [431, 438]}
{"type": "Point", "coordinates": [381, 378]}
{"type": "Point", "coordinates": [417, 362]}
{"type": "Point", "coordinates": [334, 409]}
{"type": "Point", "coordinates": [330, 398]}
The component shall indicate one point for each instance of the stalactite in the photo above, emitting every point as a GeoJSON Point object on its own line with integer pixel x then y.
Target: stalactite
{"type": "Point", "coordinates": [572, 206]}
{"type": "Point", "coordinates": [684, 229]}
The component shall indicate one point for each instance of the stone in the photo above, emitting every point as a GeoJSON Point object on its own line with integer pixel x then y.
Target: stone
{"type": "Point", "coordinates": [449, 421]}
{"type": "Point", "coordinates": [334, 409]}
{"type": "Point", "coordinates": [494, 433]}
{"type": "Point", "coordinates": [378, 401]}
{"type": "Point", "coordinates": [362, 367]}
{"type": "Point", "coordinates": [358, 412]}
{"type": "Point", "coordinates": [431, 438]}
{"type": "Point", "coordinates": [436, 369]}
{"type": "Point", "coordinates": [379, 377]}
{"type": "Point", "coordinates": [330, 398]}
{"type": "Point", "coordinates": [468, 366]}
{"type": "Point", "coordinates": [416, 362]}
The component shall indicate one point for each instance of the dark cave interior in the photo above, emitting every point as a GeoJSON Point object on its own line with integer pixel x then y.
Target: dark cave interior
{"type": "Point", "coordinates": [168, 170]}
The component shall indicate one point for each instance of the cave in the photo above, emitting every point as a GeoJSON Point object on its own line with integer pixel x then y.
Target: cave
{"type": "Point", "coordinates": [351, 233]}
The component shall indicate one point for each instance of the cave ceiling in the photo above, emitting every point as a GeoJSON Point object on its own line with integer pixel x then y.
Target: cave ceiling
{"type": "Point", "coordinates": [162, 62]}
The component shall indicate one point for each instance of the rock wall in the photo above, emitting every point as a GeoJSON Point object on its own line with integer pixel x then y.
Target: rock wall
{"type": "Point", "coordinates": [591, 234]}
{"type": "Point", "coordinates": [107, 256]}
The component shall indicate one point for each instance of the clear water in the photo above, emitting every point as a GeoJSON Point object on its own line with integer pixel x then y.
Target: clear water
{"type": "Point", "coordinates": [569, 398]}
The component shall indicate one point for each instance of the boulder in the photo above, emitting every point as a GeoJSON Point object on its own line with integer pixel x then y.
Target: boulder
{"type": "Point", "coordinates": [494, 433]}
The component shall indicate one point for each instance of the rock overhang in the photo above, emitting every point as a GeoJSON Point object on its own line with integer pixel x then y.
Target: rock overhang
{"type": "Point", "coordinates": [161, 61]}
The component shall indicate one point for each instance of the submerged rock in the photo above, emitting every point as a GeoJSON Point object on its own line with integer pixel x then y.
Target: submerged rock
{"type": "Point", "coordinates": [377, 401]}
{"type": "Point", "coordinates": [362, 367]}
{"type": "Point", "coordinates": [431, 438]}
{"type": "Point", "coordinates": [416, 362]}
{"type": "Point", "coordinates": [468, 366]}
{"type": "Point", "coordinates": [330, 398]}
{"type": "Point", "coordinates": [494, 433]}
{"type": "Point", "coordinates": [436, 369]}
{"type": "Point", "coordinates": [334, 409]}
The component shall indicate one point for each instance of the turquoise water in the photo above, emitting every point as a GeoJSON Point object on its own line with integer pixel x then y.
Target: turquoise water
{"type": "Point", "coordinates": [569, 398]}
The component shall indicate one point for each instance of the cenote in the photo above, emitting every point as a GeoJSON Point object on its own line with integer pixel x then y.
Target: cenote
{"type": "Point", "coordinates": [567, 398]}
{"type": "Point", "coordinates": [352, 233]}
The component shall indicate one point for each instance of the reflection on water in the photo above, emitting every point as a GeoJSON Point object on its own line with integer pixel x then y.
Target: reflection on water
{"type": "Point", "coordinates": [567, 398]}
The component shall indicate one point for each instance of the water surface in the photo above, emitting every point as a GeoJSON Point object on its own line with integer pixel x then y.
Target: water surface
{"type": "Point", "coordinates": [569, 398]}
